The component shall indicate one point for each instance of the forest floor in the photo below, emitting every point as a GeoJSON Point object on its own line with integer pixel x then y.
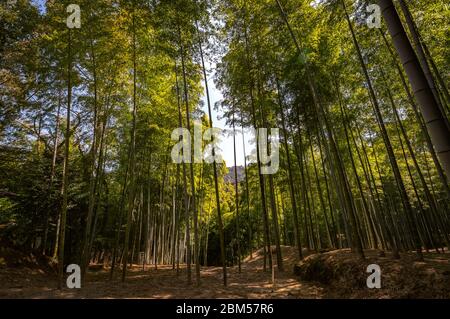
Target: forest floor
{"type": "Point", "coordinates": [335, 274]}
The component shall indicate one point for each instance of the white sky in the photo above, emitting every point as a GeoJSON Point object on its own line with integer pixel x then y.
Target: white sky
{"type": "Point", "coordinates": [226, 143]}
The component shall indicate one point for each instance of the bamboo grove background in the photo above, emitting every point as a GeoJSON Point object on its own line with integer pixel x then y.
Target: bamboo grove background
{"type": "Point", "coordinates": [86, 117]}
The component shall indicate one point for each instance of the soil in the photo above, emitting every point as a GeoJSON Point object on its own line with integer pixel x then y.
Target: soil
{"type": "Point", "coordinates": [429, 279]}
{"type": "Point", "coordinates": [345, 275]}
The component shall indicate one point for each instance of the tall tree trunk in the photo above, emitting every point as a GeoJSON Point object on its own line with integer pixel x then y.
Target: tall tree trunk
{"type": "Point", "coordinates": [419, 119]}
{"type": "Point", "coordinates": [216, 182]}
{"type": "Point", "coordinates": [378, 208]}
{"type": "Point", "coordinates": [387, 143]}
{"type": "Point", "coordinates": [438, 75]}
{"type": "Point", "coordinates": [249, 223]}
{"type": "Point", "coordinates": [332, 227]}
{"type": "Point", "coordinates": [185, 194]}
{"type": "Point", "coordinates": [358, 180]}
{"type": "Point", "coordinates": [356, 242]}
{"type": "Point", "coordinates": [132, 164]}
{"type": "Point", "coordinates": [118, 225]}
{"type": "Point", "coordinates": [236, 195]}
{"type": "Point", "coordinates": [273, 207]}
{"type": "Point", "coordinates": [65, 190]}
{"type": "Point", "coordinates": [435, 120]}
{"type": "Point", "coordinates": [175, 217]}
{"type": "Point", "coordinates": [316, 238]}
{"type": "Point", "coordinates": [428, 195]}
{"type": "Point", "coordinates": [421, 54]}
{"type": "Point", "coordinates": [85, 253]}
{"type": "Point", "coordinates": [291, 181]}
{"type": "Point", "coordinates": [52, 174]}
{"type": "Point", "coordinates": [298, 147]}
{"type": "Point", "coordinates": [260, 175]}
{"type": "Point", "coordinates": [320, 194]}
{"type": "Point", "coordinates": [188, 125]}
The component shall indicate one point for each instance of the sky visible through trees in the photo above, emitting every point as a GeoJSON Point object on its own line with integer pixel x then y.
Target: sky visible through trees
{"type": "Point", "coordinates": [334, 120]}
{"type": "Point", "coordinates": [226, 141]}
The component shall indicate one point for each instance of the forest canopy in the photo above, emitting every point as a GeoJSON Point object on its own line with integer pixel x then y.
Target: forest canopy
{"type": "Point", "coordinates": [87, 113]}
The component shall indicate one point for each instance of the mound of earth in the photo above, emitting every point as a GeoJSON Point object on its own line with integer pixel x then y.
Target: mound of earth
{"type": "Point", "coordinates": [344, 275]}
{"type": "Point", "coordinates": [20, 270]}
{"type": "Point", "coordinates": [12, 257]}
{"type": "Point", "coordinates": [289, 254]}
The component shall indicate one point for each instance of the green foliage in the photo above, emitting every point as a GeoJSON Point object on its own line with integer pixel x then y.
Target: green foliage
{"type": "Point", "coordinates": [147, 52]}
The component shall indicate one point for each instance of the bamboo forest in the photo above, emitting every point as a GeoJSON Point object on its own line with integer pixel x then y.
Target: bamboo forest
{"type": "Point", "coordinates": [262, 149]}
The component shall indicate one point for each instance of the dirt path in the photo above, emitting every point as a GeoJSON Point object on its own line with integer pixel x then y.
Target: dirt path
{"type": "Point", "coordinates": [163, 283]}
{"type": "Point", "coordinates": [405, 278]}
